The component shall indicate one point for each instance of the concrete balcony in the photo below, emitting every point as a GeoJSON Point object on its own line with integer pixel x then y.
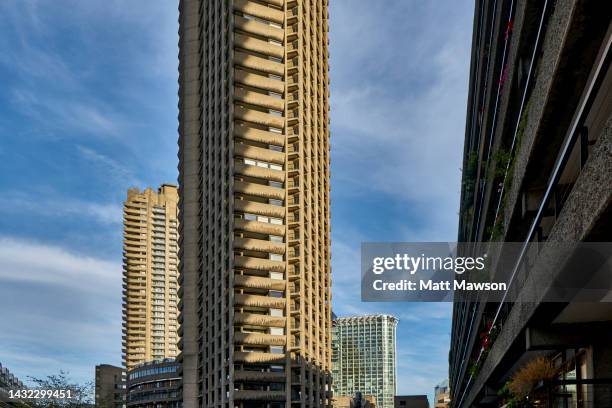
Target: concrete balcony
{"type": "Point", "coordinates": [266, 210]}
{"type": "Point", "coordinates": [258, 28]}
{"type": "Point", "coordinates": [259, 227]}
{"type": "Point", "coordinates": [257, 282]}
{"type": "Point", "coordinates": [257, 135]}
{"type": "Point", "coordinates": [259, 99]}
{"type": "Point", "coordinates": [261, 358]}
{"type": "Point", "coordinates": [259, 264]}
{"type": "Point", "coordinates": [263, 376]}
{"type": "Point", "coordinates": [259, 172]}
{"type": "Point", "coordinates": [259, 245]}
{"type": "Point", "coordinates": [259, 64]}
{"type": "Point", "coordinates": [261, 11]}
{"type": "Point", "coordinates": [253, 319]}
{"type": "Point", "coordinates": [259, 190]}
{"type": "Point", "coordinates": [252, 395]}
{"type": "Point", "coordinates": [258, 153]}
{"type": "Point", "coordinates": [260, 301]}
{"type": "Point", "coordinates": [259, 81]}
{"type": "Point", "coordinates": [259, 46]}
{"type": "Point", "coordinates": [259, 339]}
{"type": "Point", "coordinates": [261, 118]}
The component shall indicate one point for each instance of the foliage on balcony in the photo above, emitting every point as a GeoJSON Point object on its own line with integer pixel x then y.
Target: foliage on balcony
{"type": "Point", "coordinates": [519, 391]}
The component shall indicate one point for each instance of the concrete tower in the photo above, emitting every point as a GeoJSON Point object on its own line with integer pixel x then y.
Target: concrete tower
{"type": "Point", "coordinates": [255, 309]}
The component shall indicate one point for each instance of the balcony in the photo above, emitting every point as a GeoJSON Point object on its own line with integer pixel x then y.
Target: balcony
{"type": "Point", "coordinates": [259, 118]}
{"type": "Point", "coordinates": [266, 210]}
{"type": "Point", "coordinates": [259, 264]}
{"type": "Point", "coordinates": [253, 395]}
{"type": "Point", "coordinates": [259, 64]}
{"type": "Point", "coordinates": [259, 99]}
{"type": "Point", "coordinates": [259, 339]}
{"type": "Point", "coordinates": [257, 282]}
{"type": "Point", "coordinates": [259, 190]}
{"type": "Point", "coordinates": [261, 11]}
{"type": "Point", "coordinates": [259, 301]}
{"type": "Point", "coordinates": [258, 358]}
{"type": "Point", "coordinates": [259, 81]}
{"type": "Point", "coordinates": [259, 172]}
{"type": "Point", "coordinates": [258, 153]}
{"type": "Point", "coordinates": [259, 245]}
{"type": "Point", "coordinates": [259, 227]}
{"type": "Point", "coordinates": [259, 46]}
{"type": "Point", "coordinates": [258, 28]}
{"type": "Point", "coordinates": [253, 319]}
{"type": "Point", "coordinates": [264, 376]}
{"type": "Point", "coordinates": [256, 135]}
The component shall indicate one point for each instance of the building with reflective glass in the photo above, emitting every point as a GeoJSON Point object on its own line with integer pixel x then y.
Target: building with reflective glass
{"type": "Point", "coordinates": [363, 357]}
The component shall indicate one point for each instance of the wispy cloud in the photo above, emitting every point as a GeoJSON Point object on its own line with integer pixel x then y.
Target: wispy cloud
{"type": "Point", "coordinates": [110, 167]}
{"type": "Point", "coordinates": [63, 309]}
{"type": "Point", "coordinates": [54, 205]}
{"type": "Point", "coordinates": [25, 261]}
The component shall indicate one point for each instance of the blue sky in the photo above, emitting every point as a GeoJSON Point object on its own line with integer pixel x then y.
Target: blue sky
{"type": "Point", "coordinates": [88, 108]}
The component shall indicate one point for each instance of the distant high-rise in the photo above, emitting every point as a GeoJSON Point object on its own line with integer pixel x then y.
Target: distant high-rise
{"type": "Point", "coordinates": [364, 357]}
{"type": "Point", "coordinates": [254, 203]}
{"type": "Point", "coordinates": [150, 281]}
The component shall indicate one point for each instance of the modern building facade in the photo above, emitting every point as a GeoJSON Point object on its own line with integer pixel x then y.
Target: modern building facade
{"type": "Point", "coordinates": [150, 275]}
{"type": "Point", "coordinates": [411, 401]}
{"type": "Point", "coordinates": [110, 384]}
{"type": "Point", "coordinates": [155, 384]}
{"type": "Point", "coordinates": [442, 395]}
{"type": "Point", "coordinates": [537, 170]}
{"type": "Point", "coordinates": [364, 357]}
{"type": "Point", "coordinates": [255, 309]}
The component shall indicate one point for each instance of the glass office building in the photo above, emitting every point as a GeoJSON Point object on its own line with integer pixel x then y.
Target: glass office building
{"type": "Point", "coordinates": [363, 357]}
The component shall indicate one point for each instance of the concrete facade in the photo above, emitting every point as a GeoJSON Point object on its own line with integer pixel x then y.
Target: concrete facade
{"type": "Point", "coordinates": [150, 275]}
{"type": "Point", "coordinates": [537, 169]}
{"type": "Point", "coordinates": [109, 386]}
{"type": "Point", "coordinates": [255, 300]}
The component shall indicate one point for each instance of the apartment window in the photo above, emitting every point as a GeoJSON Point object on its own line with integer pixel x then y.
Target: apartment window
{"type": "Point", "coordinates": [276, 275]}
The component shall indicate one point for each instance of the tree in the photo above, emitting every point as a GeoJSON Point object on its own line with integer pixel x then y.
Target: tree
{"type": "Point", "coordinates": [81, 395]}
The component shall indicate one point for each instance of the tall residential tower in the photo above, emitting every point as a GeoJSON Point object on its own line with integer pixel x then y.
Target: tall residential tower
{"type": "Point", "coordinates": [364, 357]}
{"type": "Point", "coordinates": [150, 281]}
{"type": "Point", "coordinates": [255, 309]}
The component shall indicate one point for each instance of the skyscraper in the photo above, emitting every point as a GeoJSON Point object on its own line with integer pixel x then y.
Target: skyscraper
{"type": "Point", "coordinates": [255, 308]}
{"type": "Point", "coordinates": [364, 357]}
{"type": "Point", "coordinates": [150, 281]}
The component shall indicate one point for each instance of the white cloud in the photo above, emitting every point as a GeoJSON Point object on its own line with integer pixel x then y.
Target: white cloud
{"type": "Point", "coordinates": [109, 167]}
{"type": "Point", "coordinates": [49, 204]}
{"type": "Point", "coordinates": [31, 262]}
{"type": "Point", "coordinates": [61, 310]}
